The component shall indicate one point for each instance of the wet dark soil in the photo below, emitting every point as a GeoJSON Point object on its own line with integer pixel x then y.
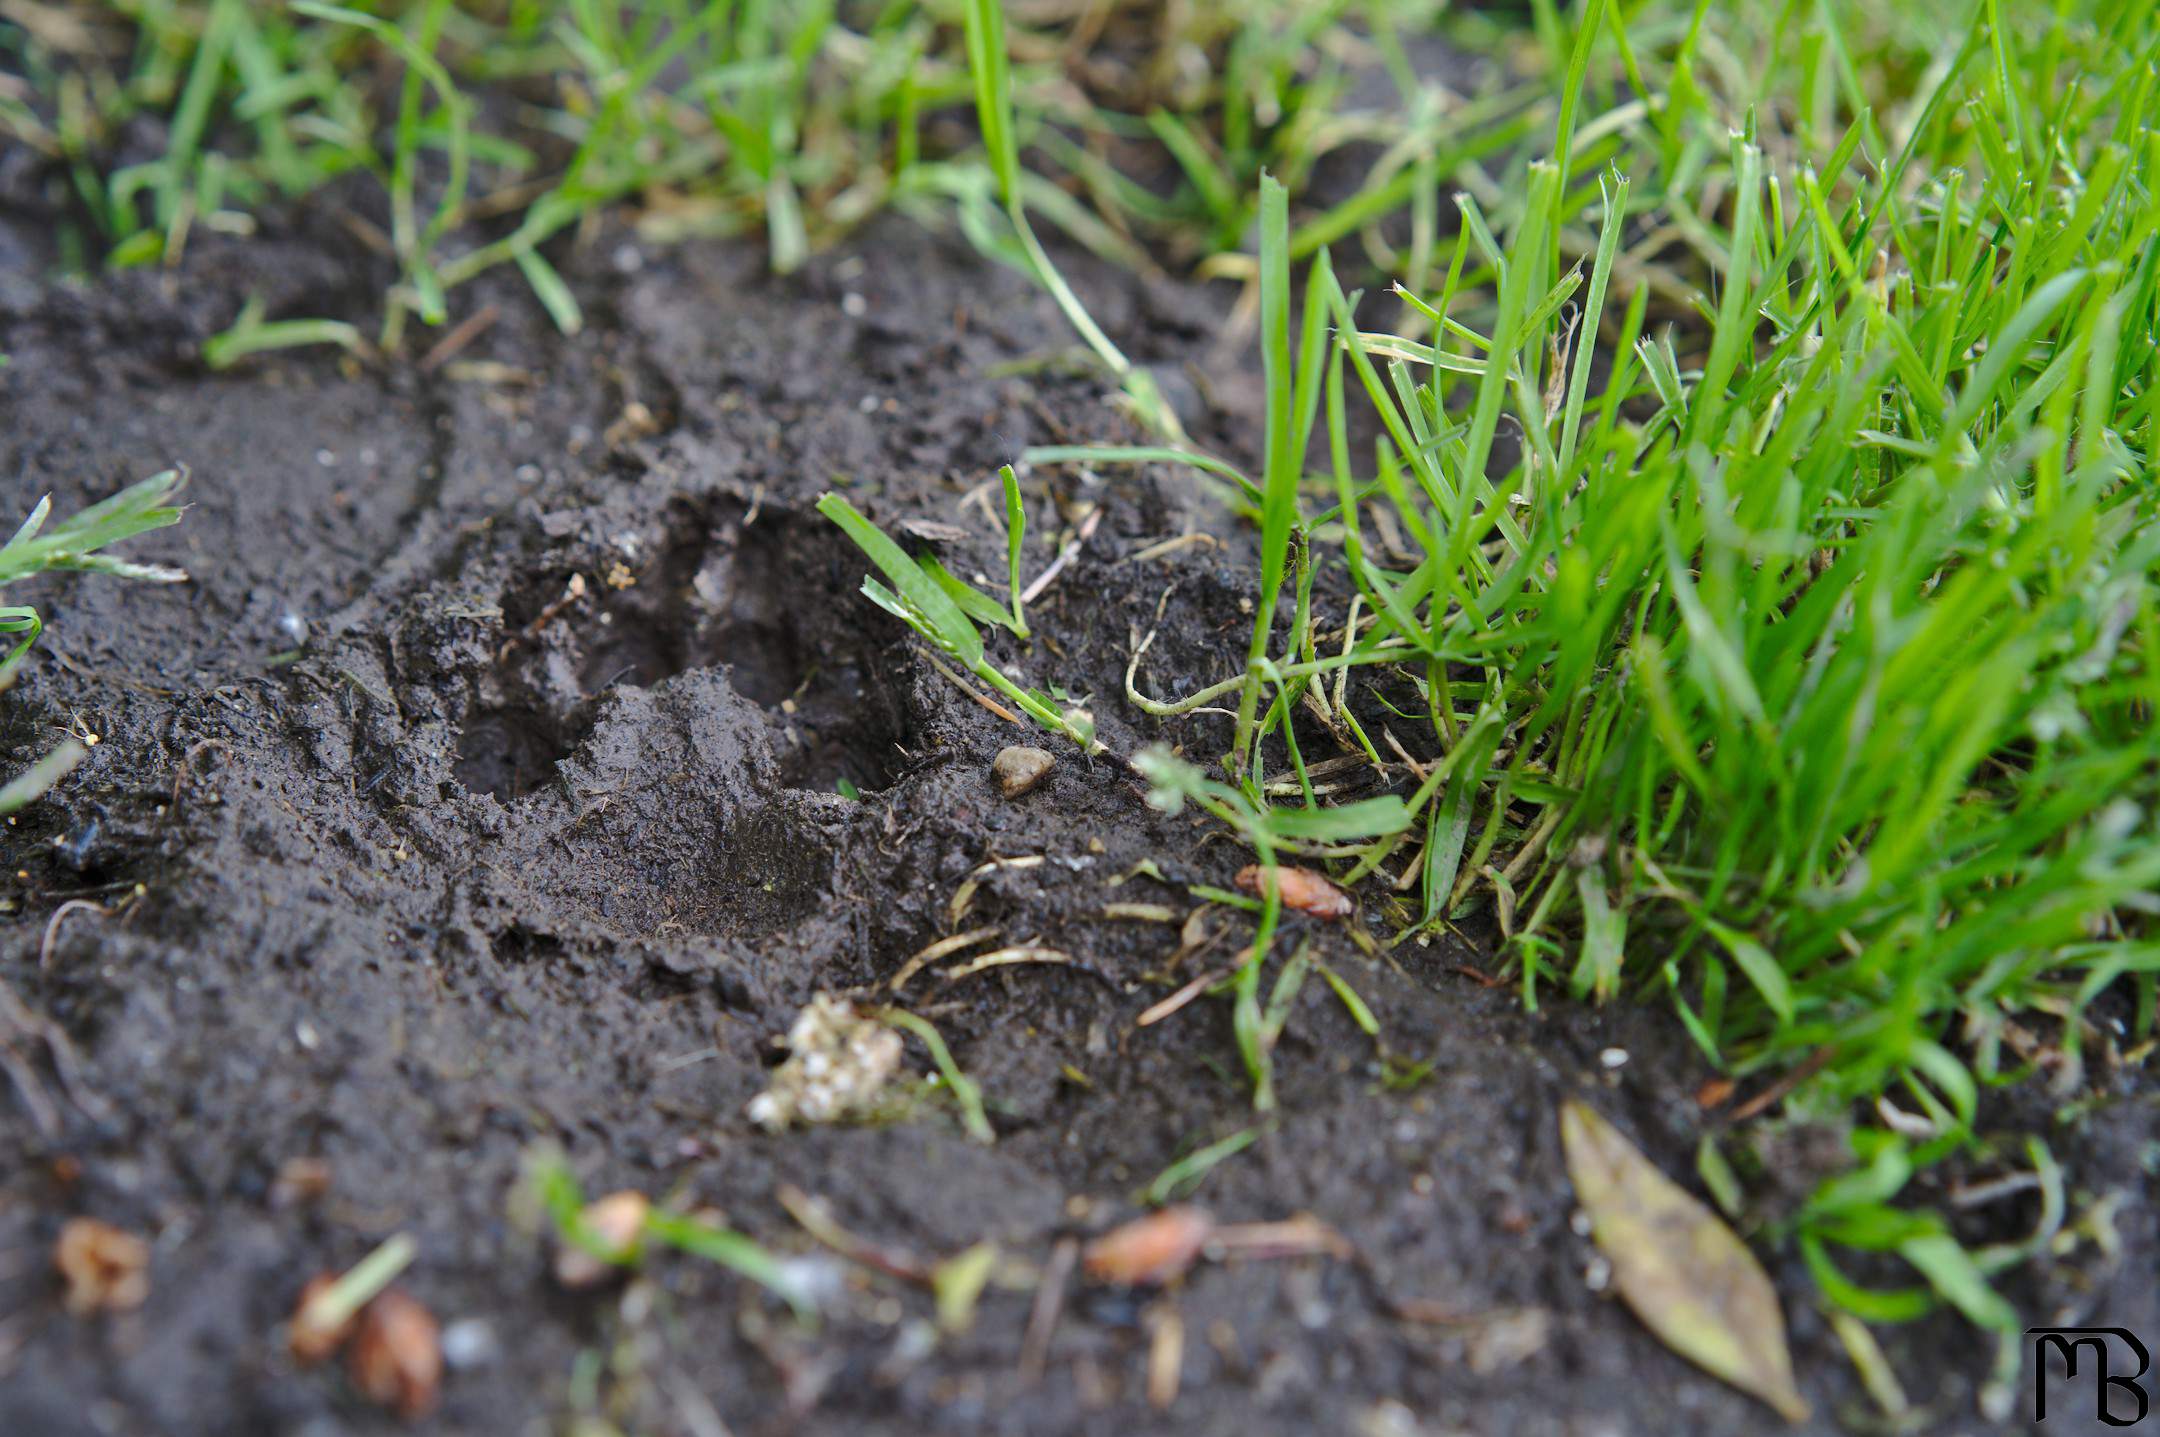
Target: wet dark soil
{"type": "Point", "coordinates": [488, 786]}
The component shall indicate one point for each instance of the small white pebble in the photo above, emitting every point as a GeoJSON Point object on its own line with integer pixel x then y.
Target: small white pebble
{"type": "Point", "coordinates": [867, 404]}
{"type": "Point", "coordinates": [1579, 1223]}
{"type": "Point", "coordinates": [327, 458]}
{"type": "Point", "coordinates": [1598, 1275]}
{"type": "Point", "coordinates": [469, 1343]}
{"type": "Point", "coordinates": [853, 305]}
{"type": "Point", "coordinates": [1613, 1057]}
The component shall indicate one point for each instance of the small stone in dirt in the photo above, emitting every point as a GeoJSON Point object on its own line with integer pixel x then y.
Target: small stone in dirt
{"type": "Point", "coordinates": [1020, 768]}
{"type": "Point", "coordinates": [396, 1354]}
{"type": "Point", "coordinates": [838, 1061]}
{"type": "Point", "coordinates": [106, 1270]}
{"type": "Point", "coordinates": [470, 1343]}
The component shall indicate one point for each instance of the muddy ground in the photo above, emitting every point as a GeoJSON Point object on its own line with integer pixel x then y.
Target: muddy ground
{"type": "Point", "coordinates": [409, 865]}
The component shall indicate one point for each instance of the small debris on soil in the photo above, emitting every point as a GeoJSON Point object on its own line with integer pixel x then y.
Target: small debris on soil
{"type": "Point", "coordinates": [1507, 1338]}
{"type": "Point", "coordinates": [310, 1340]}
{"type": "Point", "coordinates": [106, 1269]}
{"type": "Point", "coordinates": [1300, 1236]}
{"type": "Point", "coordinates": [322, 1320]}
{"type": "Point", "coordinates": [1166, 1355]}
{"type": "Point", "coordinates": [396, 1356]}
{"type": "Point", "coordinates": [1019, 768]}
{"type": "Point", "coordinates": [299, 1180]}
{"type": "Point", "coordinates": [1149, 1251]}
{"type": "Point", "coordinates": [1302, 889]}
{"type": "Point", "coordinates": [616, 1222]}
{"type": "Point", "coordinates": [470, 1343]}
{"type": "Point", "coordinates": [1685, 1274]}
{"type": "Point", "coordinates": [838, 1061]}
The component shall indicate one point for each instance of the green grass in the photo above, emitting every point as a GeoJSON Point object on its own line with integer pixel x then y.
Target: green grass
{"type": "Point", "coordinates": [1802, 673]}
{"type": "Point", "coordinates": [945, 609]}
{"type": "Point", "coordinates": [1758, 544]}
{"type": "Point", "coordinates": [75, 544]}
{"type": "Point", "coordinates": [553, 1188]}
{"type": "Point", "coordinates": [491, 132]}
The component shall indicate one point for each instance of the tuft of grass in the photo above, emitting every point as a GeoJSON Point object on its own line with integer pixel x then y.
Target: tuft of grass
{"type": "Point", "coordinates": [491, 129]}
{"type": "Point", "coordinates": [966, 1092]}
{"type": "Point", "coordinates": [1762, 514]}
{"type": "Point", "coordinates": [494, 130]}
{"type": "Point", "coordinates": [1268, 830]}
{"type": "Point", "coordinates": [75, 544]}
{"type": "Point", "coordinates": [945, 609]}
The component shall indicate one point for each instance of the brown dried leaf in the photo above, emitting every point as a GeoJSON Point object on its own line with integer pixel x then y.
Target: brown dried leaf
{"type": "Point", "coordinates": [1692, 1282]}
{"type": "Point", "coordinates": [396, 1354]}
{"type": "Point", "coordinates": [1302, 890]}
{"type": "Point", "coordinates": [1149, 1250]}
{"type": "Point", "coordinates": [106, 1270]}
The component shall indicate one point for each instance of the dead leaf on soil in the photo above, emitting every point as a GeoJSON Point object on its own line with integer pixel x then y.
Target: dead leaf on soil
{"type": "Point", "coordinates": [1303, 890]}
{"type": "Point", "coordinates": [1151, 1250]}
{"type": "Point", "coordinates": [396, 1354]}
{"type": "Point", "coordinates": [1692, 1282]}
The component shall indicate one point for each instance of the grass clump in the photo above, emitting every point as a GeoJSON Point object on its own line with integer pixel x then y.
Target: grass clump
{"type": "Point", "coordinates": [490, 129]}
{"type": "Point", "coordinates": [946, 609]}
{"type": "Point", "coordinates": [74, 544]}
{"type": "Point", "coordinates": [469, 137]}
{"type": "Point", "coordinates": [1762, 520]}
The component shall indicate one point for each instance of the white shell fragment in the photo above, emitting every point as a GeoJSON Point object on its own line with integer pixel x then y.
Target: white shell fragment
{"type": "Point", "coordinates": [1020, 768]}
{"type": "Point", "coordinates": [838, 1062]}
